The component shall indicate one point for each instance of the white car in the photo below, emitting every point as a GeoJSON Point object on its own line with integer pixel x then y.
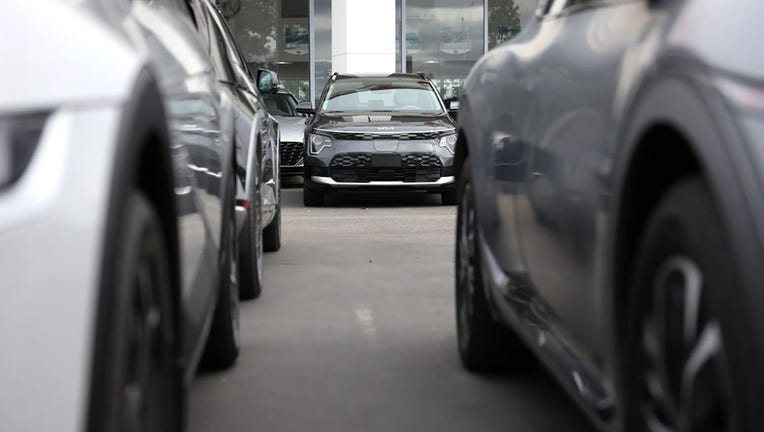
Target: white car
{"type": "Point", "coordinates": [117, 223]}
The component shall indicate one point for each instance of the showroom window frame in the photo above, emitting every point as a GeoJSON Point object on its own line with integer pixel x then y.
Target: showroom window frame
{"type": "Point", "coordinates": [312, 50]}
{"type": "Point", "coordinates": [402, 36]}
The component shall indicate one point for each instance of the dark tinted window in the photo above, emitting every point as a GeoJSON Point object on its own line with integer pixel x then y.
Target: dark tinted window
{"type": "Point", "coordinates": [281, 104]}
{"type": "Point", "coordinates": [226, 57]}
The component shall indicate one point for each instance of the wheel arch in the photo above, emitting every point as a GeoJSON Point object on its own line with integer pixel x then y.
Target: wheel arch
{"type": "Point", "coordinates": [679, 126]}
{"type": "Point", "coordinates": [142, 160]}
{"type": "Point", "coordinates": [662, 157]}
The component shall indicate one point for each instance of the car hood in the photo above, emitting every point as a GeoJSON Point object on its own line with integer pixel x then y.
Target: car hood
{"type": "Point", "coordinates": [383, 122]}
{"type": "Point", "coordinates": [292, 128]}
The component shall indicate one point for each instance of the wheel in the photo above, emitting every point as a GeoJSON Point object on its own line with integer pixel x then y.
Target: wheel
{"type": "Point", "coordinates": [251, 253]}
{"type": "Point", "coordinates": [689, 366]}
{"type": "Point", "coordinates": [137, 384]}
{"type": "Point", "coordinates": [222, 347]}
{"type": "Point", "coordinates": [272, 233]}
{"type": "Point", "coordinates": [448, 197]}
{"type": "Point", "coordinates": [311, 197]}
{"type": "Point", "coordinates": [484, 344]}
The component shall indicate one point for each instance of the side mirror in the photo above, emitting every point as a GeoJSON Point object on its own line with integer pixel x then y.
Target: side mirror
{"type": "Point", "coordinates": [267, 81]}
{"type": "Point", "coordinates": [305, 108]}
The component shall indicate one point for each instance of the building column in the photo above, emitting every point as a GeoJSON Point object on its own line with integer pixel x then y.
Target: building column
{"type": "Point", "coordinates": [363, 36]}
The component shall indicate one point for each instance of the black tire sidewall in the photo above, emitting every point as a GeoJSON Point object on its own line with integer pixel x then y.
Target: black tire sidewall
{"type": "Point", "coordinates": [140, 238]}
{"type": "Point", "coordinates": [222, 347]}
{"type": "Point", "coordinates": [490, 345]}
{"type": "Point", "coordinates": [687, 222]}
{"type": "Point", "coordinates": [250, 280]}
{"type": "Point", "coordinates": [272, 233]}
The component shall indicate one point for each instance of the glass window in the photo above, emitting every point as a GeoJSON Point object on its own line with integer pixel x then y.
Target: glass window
{"type": "Point", "coordinates": [282, 104]}
{"type": "Point", "coordinates": [381, 96]}
{"type": "Point", "coordinates": [273, 34]}
{"type": "Point", "coordinates": [444, 38]}
{"type": "Point", "coordinates": [226, 58]}
{"type": "Point", "coordinates": [507, 17]}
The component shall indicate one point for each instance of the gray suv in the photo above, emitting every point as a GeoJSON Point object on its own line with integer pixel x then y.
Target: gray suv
{"type": "Point", "coordinates": [379, 133]}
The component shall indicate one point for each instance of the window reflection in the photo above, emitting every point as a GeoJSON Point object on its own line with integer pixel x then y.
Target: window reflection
{"type": "Point", "coordinates": [274, 34]}
{"type": "Point", "coordinates": [507, 17]}
{"type": "Point", "coordinates": [444, 38]}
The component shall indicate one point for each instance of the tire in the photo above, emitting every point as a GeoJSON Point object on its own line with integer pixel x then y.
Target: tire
{"type": "Point", "coordinates": [272, 233]}
{"type": "Point", "coordinates": [484, 344]}
{"type": "Point", "coordinates": [222, 347]}
{"type": "Point", "coordinates": [687, 330]}
{"type": "Point", "coordinates": [137, 345]}
{"type": "Point", "coordinates": [312, 197]}
{"type": "Point", "coordinates": [448, 197]}
{"type": "Point", "coordinates": [251, 254]}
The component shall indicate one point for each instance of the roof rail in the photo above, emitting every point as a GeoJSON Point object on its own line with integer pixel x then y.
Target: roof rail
{"type": "Point", "coordinates": [338, 75]}
{"type": "Point", "coordinates": [420, 75]}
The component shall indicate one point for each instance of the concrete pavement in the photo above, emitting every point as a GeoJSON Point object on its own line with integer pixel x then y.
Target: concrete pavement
{"type": "Point", "coordinates": [355, 331]}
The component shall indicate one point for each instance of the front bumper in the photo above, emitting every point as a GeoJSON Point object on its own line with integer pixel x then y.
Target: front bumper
{"type": "Point", "coordinates": [442, 182]}
{"type": "Point", "coordinates": [292, 170]}
{"type": "Point", "coordinates": [369, 164]}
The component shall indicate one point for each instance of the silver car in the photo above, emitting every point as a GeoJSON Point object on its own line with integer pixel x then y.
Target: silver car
{"type": "Point", "coordinates": [117, 225]}
{"type": "Point", "coordinates": [283, 106]}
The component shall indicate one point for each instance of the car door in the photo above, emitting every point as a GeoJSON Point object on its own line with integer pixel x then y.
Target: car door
{"type": "Point", "coordinates": [192, 103]}
{"type": "Point", "coordinates": [562, 205]}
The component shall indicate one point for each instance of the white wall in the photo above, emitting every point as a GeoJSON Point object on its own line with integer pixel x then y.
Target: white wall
{"type": "Point", "coordinates": [363, 36]}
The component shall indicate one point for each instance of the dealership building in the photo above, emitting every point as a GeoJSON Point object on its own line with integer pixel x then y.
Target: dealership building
{"type": "Point", "coordinates": [305, 41]}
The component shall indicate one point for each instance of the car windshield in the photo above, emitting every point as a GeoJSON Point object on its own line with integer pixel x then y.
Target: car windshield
{"type": "Point", "coordinates": [381, 96]}
{"type": "Point", "coordinates": [281, 104]}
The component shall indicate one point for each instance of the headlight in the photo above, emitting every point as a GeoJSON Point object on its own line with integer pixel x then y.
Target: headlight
{"type": "Point", "coordinates": [317, 143]}
{"type": "Point", "coordinates": [19, 136]}
{"type": "Point", "coordinates": [449, 143]}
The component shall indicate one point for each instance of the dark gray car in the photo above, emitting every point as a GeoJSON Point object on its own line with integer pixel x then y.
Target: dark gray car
{"type": "Point", "coordinates": [379, 133]}
{"type": "Point", "coordinates": [609, 167]}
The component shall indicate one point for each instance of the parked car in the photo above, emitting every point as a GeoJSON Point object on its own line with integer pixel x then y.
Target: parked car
{"type": "Point", "coordinates": [610, 172]}
{"type": "Point", "coordinates": [283, 105]}
{"type": "Point", "coordinates": [117, 225]}
{"type": "Point", "coordinates": [254, 133]}
{"type": "Point", "coordinates": [379, 132]}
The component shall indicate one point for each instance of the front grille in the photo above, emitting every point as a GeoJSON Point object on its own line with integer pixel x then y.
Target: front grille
{"type": "Point", "coordinates": [291, 153]}
{"type": "Point", "coordinates": [403, 136]}
{"type": "Point", "coordinates": [420, 160]}
{"type": "Point", "coordinates": [357, 168]}
{"type": "Point", "coordinates": [351, 160]}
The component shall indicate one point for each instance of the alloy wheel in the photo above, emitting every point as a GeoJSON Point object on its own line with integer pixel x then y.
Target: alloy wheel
{"type": "Point", "coordinates": [146, 372]}
{"type": "Point", "coordinates": [685, 377]}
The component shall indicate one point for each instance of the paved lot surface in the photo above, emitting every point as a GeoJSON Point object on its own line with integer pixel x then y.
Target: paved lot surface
{"type": "Point", "coordinates": [355, 331]}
